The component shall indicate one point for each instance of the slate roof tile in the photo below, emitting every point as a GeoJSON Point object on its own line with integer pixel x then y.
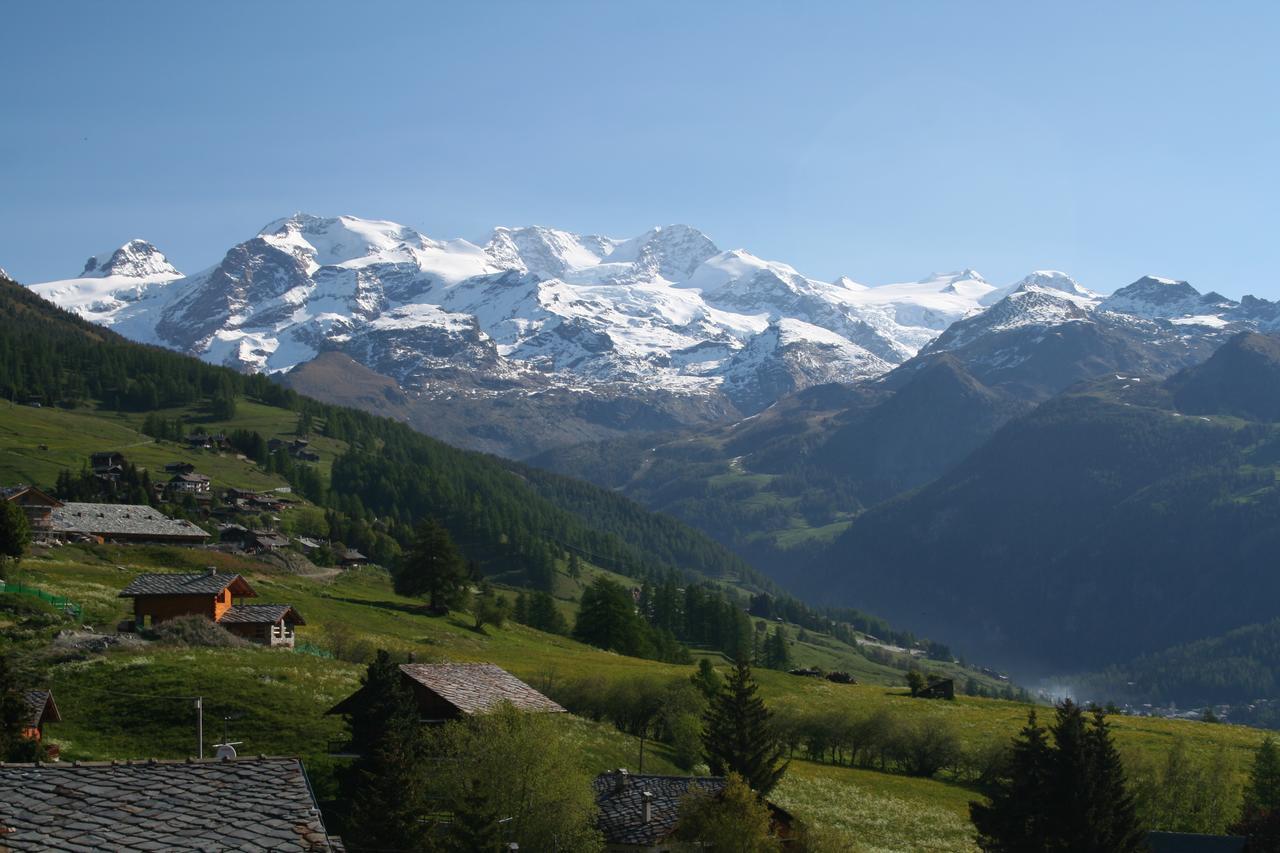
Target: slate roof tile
{"type": "Point", "coordinates": [621, 815]}
{"type": "Point", "coordinates": [478, 687]}
{"type": "Point", "coordinates": [196, 583]}
{"type": "Point", "coordinates": [252, 804]}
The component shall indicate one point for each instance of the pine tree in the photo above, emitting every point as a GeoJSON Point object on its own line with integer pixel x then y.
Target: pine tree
{"type": "Point", "coordinates": [385, 788]}
{"type": "Point", "coordinates": [738, 735]}
{"type": "Point", "coordinates": [706, 679]}
{"type": "Point", "coordinates": [15, 533]}
{"type": "Point", "coordinates": [1014, 819]}
{"type": "Point", "coordinates": [1071, 797]}
{"type": "Point", "coordinates": [13, 715]}
{"type": "Point", "coordinates": [433, 566]}
{"type": "Point", "coordinates": [1262, 793]}
{"type": "Point", "coordinates": [472, 826]}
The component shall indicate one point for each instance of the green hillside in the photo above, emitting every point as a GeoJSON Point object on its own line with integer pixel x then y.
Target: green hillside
{"type": "Point", "coordinates": [135, 702]}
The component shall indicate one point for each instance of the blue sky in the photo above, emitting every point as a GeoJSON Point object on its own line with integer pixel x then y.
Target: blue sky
{"type": "Point", "coordinates": [878, 140]}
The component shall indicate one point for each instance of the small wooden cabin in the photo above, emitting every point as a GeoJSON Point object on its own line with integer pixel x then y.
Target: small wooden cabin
{"type": "Point", "coordinates": [215, 596]}
{"type": "Point", "coordinates": [268, 624]}
{"type": "Point", "coordinates": [41, 709]}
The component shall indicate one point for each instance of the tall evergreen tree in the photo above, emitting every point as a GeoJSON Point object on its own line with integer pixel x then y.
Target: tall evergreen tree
{"type": "Point", "coordinates": [432, 567]}
{"type": "Point", "coordinates": [1262, 793]}
{"type": "Point", "coordinates": [1070, 797]}
{"type": "Point", "coordinates": [385, 788]}
{"type": "Point", "coordinates": [739, 736]}
{"type": "Point", "coordinates": [607, 618]}
{"type": "Point", "coordinates": [13, 716]}
{"type": "Point", "coordinates": [15, 533]}
{"type": "Point", "coordinates": [1014, 820]}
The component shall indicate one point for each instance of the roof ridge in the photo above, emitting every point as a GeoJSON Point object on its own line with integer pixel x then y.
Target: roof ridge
{"type": "Point", "coordinates": [148, 762]}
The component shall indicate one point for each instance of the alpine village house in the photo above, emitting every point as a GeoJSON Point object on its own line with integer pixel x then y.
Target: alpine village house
{"type": "Point", "coordinates": [215, 596]}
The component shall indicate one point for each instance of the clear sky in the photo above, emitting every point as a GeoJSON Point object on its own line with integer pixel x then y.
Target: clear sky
{"type": "Point", "coordinates": [877, 140]}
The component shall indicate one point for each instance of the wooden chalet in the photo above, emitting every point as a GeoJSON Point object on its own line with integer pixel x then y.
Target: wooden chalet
{"type": "Point", "coordinates": [41, 709]}
{"type": "Point", "coordinates": [204, 441]}
{"type": "Point", "coordinates": [188, 483]}
{"type": "Point", "coordinates": [36, 505]}
{"type": "Point", "coordinates": [179, 468]}
{"type": "Point", "coordinates": [218, 804]}
{"type": "Point", "coordinates": [351, 558]}
{"type": "Point", "coordinates": [449, 691]}
{"type": "Point", "coordinates": [215, 596]}
{"type": "Point", "coordinates": [640, 813]}
{"type": "Point", "coordinates": [109, 464]}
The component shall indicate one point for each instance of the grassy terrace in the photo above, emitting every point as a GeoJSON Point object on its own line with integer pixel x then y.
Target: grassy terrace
{"type": "Point", "coordinates": [135, 702]}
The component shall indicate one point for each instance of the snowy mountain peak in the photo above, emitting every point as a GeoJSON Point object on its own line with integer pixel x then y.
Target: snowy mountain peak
{"type": "Point", "coordinates": [545, 252]}
{"type": "Point", "coordinates": [331, 241]}
{"type": "Point", "coordinates": [1153, 297]}
{"type": "Point", "coordinates": [672, 251]}
{"type": "Point", "coordinates": [848, 283]}
{"type": "Point", "coordinates": [135, 259]}
{"type": "Point", "coordinates": [1047, 280]}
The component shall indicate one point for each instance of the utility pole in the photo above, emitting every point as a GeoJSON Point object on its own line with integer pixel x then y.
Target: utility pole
{"type": "Point", "coordinates": [200, 726]}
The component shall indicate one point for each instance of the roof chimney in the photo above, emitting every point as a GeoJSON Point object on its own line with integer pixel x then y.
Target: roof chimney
{"type": "Point", "coordinates": [212, 570]}
{"type": "Point", "coordinates": [648, 806]}
{"type": "Point", "coordinates": [620, 778]}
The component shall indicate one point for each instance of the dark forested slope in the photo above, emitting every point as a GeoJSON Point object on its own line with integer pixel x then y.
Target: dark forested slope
{"type": "Point", "coordinates": [1101, 526]}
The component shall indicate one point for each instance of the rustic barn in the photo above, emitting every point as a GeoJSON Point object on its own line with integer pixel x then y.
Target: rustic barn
{"type": "Point", "coordinates": [448, 691]}
{"type": "Point", "coordinates": [236, 804]}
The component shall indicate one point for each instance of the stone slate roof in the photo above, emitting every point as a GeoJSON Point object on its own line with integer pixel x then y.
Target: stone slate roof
{"type": "Point", "coordinates": [261, 614]}
{"type": "Point", "coordinates": [38, 701]}
{"type": "Point", "coordinates": [477, 687]}
{"type": "Point", "coordinates": [621, 817]}
{"type": "Point", "coordinates": [199, 583]}
{"type": "Point", "coordinates": [241, 804]}
{"type": "Point", "coordinates": [121, 520]}
{"type": "Point", "coordinates": [1186, 842]}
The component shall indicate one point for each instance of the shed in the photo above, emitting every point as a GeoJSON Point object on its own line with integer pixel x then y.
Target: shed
{"type": "Point", "coordinates": [41, 709]}
{"type": "Point", "coordinates": [268, 624]}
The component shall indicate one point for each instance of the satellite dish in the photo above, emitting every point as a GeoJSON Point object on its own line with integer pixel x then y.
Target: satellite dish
{"type": "Point", "coordinates": [225, 751]}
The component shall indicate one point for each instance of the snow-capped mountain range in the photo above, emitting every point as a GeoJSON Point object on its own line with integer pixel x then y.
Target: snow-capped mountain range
{"type": "Point", "coordinates": [530, 309]}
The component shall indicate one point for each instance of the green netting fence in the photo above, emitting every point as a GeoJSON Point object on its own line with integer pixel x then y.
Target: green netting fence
{"type": "Point", "coordinates": [60, 602]}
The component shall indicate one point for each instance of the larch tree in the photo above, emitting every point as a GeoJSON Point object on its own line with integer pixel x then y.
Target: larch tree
{"type": "Point", "coordinates": [432, 567]}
